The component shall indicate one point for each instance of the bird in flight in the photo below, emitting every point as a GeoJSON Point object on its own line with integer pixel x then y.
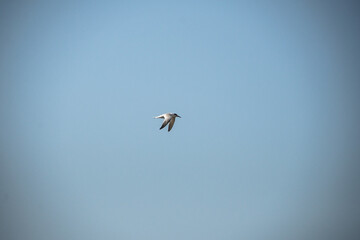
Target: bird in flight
{"type": "Point", "coordinates": [168, 118]}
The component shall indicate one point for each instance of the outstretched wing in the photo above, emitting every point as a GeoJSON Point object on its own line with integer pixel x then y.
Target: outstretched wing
{"type": "Point", "coordinates": [166, 121]}
{"type": "Point", "coordinates": [172, 121]}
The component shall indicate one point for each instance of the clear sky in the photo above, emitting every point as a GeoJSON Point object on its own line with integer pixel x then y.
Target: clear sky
{"type": "Point", "coordinates": [268, 145]}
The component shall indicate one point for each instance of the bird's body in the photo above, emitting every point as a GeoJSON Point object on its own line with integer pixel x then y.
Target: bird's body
{"type": "Point", "coordinates": [168, 118]}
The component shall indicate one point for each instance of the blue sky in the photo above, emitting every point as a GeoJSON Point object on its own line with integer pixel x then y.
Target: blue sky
{"type": "Point", "coordinates": [267, 146]}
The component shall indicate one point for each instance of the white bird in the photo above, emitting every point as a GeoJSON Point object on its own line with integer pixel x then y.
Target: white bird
{"type": "Point", "coordinates": [168, 117]}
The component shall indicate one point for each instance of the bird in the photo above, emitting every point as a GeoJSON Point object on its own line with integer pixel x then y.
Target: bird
{"type": "Point", "coordinates": [168, 118]}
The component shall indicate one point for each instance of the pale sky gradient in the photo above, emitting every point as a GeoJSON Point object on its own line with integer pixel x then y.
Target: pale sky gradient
{"type": "Point", "coordinates": [268, 145]}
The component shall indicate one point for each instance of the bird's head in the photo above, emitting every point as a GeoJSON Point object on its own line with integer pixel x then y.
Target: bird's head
{"type": "Point", "coordinates": [176, 115]}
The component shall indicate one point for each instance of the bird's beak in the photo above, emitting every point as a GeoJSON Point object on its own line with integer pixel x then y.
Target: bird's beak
{"type": "Point", "coordinates": [179, 116]}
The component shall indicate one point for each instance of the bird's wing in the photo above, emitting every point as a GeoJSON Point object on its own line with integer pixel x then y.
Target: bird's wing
{"type": "Point", "coordinates": [172, 121]}
{"type": "Point", "coordinates": [166, 121]}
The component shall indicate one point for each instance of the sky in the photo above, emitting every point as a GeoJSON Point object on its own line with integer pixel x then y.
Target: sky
{"type": "Point", "coordinates": [267, 146]}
